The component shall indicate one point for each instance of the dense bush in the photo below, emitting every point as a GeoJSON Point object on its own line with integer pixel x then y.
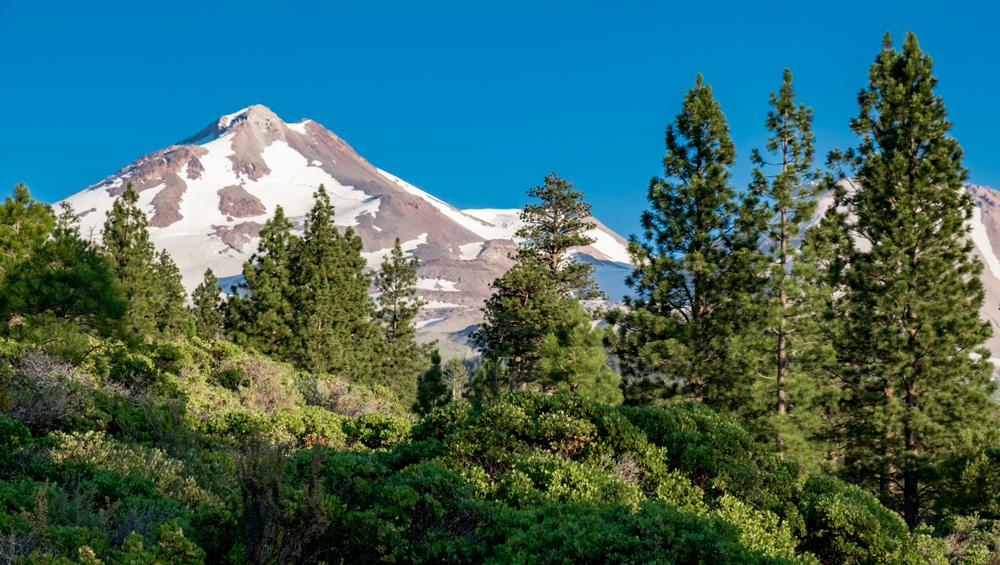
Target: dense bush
{"type": "Point", "coordinates": [205, 451]}
{"type": "Point", "coordinates": [847, 525]}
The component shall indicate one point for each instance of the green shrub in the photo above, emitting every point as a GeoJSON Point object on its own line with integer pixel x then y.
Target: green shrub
{"type": "Point", "coordinates": [847, 525]}
{"type": "Point", "coordinates": [376, 431]}
{"type": "Point", "coordinates": [13, 435]}
{"type": "Point", "coordinates": [168, 474]}
{"type": "Point", "coordinates": [312, 424]}
{"type": "Point", "coordinates": [547, 478]}
{"type": "Point", "coordinates": [588, 533]}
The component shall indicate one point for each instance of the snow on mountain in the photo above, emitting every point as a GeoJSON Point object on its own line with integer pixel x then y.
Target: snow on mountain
{"type": "Point", "coordinates": [208, 196]}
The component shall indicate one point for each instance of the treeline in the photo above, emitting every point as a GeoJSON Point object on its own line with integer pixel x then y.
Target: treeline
{"type": "Point", "coordinates": [858, 352]}
{"type": "Point", "coordinates": [785, 384]}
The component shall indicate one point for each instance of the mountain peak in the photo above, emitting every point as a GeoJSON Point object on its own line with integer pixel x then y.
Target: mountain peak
{"type": "Point", "coordinates": [255, 116]}
{"type": "Point", "coordinates": [255, 113]}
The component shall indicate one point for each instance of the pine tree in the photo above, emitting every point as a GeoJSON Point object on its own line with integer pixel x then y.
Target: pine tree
{"type": "Point", "coordinates": [540, 295]}
{"type": "Point", "coordinates": [172, 317]}
{"type": "Point", "coordinates": [432, 390]}
{"type": "Point", "coordinates": [791, 193]}
{"type": "Point", "coordinates": [457, 377]}
{"type": "Point", "coordinates": [695, 270]}
{"type": "Point", "coordinates": [572, 359]}
{"type": "Point", "coordinates": [24, 225]}
{"type": "Point", "coordinates": [64, 291]}
{"type": "Point", "coordinates": [523, 309]}
{"type": "Point", "coordinates": [333, 312]}
{"type": "Point", "coordinates": [812, 432]}
{"type": "Point", "coordinates": [553, 226]}
{"type": "Point", "coordinates": [151, 281]}
{"type": "Point", "coordinates": [261, 313]}
{"type": "Point", "coordinates": [919, 378]}
{"type": "Point", "coordinates": [402, 358]}
{"type": "Point", "coordinates": [207, 307]}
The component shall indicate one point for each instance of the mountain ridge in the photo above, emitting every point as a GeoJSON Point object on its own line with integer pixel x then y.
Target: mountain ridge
{"type": "Point", "coordinates": [208, 195]}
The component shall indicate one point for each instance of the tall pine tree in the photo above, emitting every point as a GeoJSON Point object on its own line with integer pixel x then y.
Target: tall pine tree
{"type": "Point", "coordinates": [791, 193]}
{"type": "Point", "coordinates": [537, 301]}
{"type": "Point", "coordinates": [696, 268]}
{"type": "Point", "coordinates": [151, 281]}
{"type": "Point", "coordinates": [552, 226]}
{"type": "Point", "coordinates": [793, 394]}
{"type": "Point", "coordinates": [919, 377]}
{"type": "Point", "coordinates": [207, 307]}
{"type": "Point", "coordinates": [401, 358]}
{"type": "Point", "coordinates": [261, 311]}
{"type": "Point", "coordinates": [333, 312]}
{"type": "Point", "coordinates": [24, 225]}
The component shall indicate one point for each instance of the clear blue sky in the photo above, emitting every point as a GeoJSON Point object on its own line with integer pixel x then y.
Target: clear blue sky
{"type": "Point", "coordinates": [473, 101]}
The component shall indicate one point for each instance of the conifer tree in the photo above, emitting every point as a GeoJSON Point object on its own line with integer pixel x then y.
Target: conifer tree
{"type": "Point", "coordinates": [207, 307]}
{"type": "Point", "coordinates": [24, 225]}
{"type": "Point", "coordinates": [525, 306]}
{"type": "Point", "coordinates": [919, 377]}
{"type": "Point", "coordinates": [261, 311]}
{"type": "Point", "coordinates": [696, 268]}
{"type": "Point", "coordinates": [333, 312]}
{"type": "Point", "coordinates": [61, 293]}
{"type": "Point", "coordinates": [151, 281]}
{"type": "Point", "coordinates": [432, 390]}
{"type": "Point", "coordinates": [572, 359]}
{"type": "Point", "coordinates": [558, 222]}
{"type": "Point", "coordinates": [401, 358]}
{"type": "Point", "coordinates": [538, 300]}
{"type": "Point", "coordinates": [172, 317]}
{"type": "Point", "coordinates": [791, 192]}
{"type": "Point", "coordinates": [457, 378]}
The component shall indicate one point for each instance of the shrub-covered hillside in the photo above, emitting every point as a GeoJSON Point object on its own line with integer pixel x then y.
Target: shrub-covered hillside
{"type": "Point", "coordinates": [199, 451]}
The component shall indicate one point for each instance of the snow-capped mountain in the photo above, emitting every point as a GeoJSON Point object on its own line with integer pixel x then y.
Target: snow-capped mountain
{"type": "Point", "coordinates": [208, 196]}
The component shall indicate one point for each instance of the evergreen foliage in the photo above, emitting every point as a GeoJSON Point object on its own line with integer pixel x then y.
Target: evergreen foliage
{"type": "Point", "coordinates": [534, 324]}
{"type": "Point", "coordinates": [62, 290]}
{"type": "Point", "coordinates": [915, 367]}
{"type": "Point", "coordinates": [207, 307]}
{"type": "Point", "coordinates": [792, 400]}
{"type": "Point", "coordinates": [332, 323]}
{"type": "Point", "coordinates": [558, 222]}
{"type": "Point", "coordinates": [125, 438]}
{"type": "Point", "coordinates": [24, 224]}
{"type": "Point", "coordinates": [456, 377]}
{"type": "Point", "coordinates": [791, 194]}
{"type": "Point", "coordinates": [695, 269]}
{"type": "Point", "coordinates": [432, 390]}
{"type": "Point", "coordinates": [400, 358]}
{"type": "Point", "coordinates": [151, 281]}
{"type": "Point", "coordinates": [261, 312]}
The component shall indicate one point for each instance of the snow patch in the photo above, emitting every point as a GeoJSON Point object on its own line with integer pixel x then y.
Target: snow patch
{"type": "Point", "coordinates": [982, 242]}
{"type": "Point", "coordinates": [471, 251]}
{"type": "Point", "coordinates": [505, 221]}
{"type": "Point", "coordinates": [224, 121]}
{"type": "Point", "coordinates": [440, 285]}
{"type": "Point", "coordinates": [440, 304]}
{"type": "Point", "coordinates": [475, 225]}
{"type": "Point", "coordinates": [609, 246]}
{"type": "Point", "coordinates": [299, 127]}
{"type": "Point", "coordinates": [425, 323]}
{"type": "Point", "coordinates": [375, 258]}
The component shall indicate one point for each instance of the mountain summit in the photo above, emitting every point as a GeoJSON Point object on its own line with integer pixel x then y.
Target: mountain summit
{"type": "Point", "coordinates": [208, 196]}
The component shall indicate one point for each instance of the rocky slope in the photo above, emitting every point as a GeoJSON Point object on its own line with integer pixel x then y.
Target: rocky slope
{"type": "Point", "coordinates": [208, 196]}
